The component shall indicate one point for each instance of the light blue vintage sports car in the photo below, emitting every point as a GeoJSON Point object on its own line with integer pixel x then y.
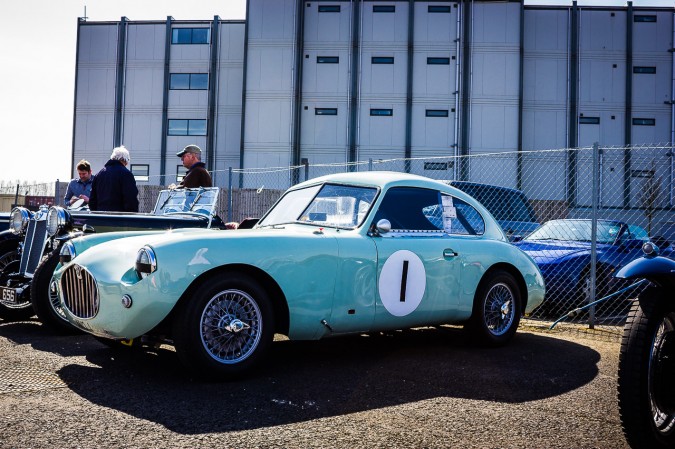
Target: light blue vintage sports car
{"type": "Point", "coordinates": [340, 254]}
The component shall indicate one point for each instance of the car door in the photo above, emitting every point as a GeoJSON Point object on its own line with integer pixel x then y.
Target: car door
{"type": "Point", "coordinates": [418, 266]}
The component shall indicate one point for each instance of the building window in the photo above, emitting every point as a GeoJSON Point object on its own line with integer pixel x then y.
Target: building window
{"type": "Point", "coordinates": [589, 120]}
{"type": "Point", "coordinates": [649, 70]}
{"type": "Point", "coordinates": [644, 18]}
{"type": "Point", "coordinates": [327, 60]}
{"type": "Point", "coordinates": [189, 81]}
{"type": "Point", "coordinates": [382, 60]}
{"type": "Point", "coordinates": [438, 61]}
{"type": "Point", "coordinates": [384, 8]}
{"type": "Point", "coordinates": [437, 113]}
{"type": "Point", "coordinates": [329, 8]}
{"type": "Point", "coordinates": [141, 172]}
{"type": "Point", "coordinates": [180, 172]}
{"type": "Point", "coordinates": [190, 36]}
{"type": "Point", "coordinates": [436, 165]}
{"type": "Point", "coordinates": [382, 112]}
{"type": "Point", "coordinates": [644, 122]}
{"type": "Point", "coordinates": [438, 8]}
{"type": "Point", "coordinates": [181, 127]}
{"type": "Point", "coordinates": [325, 111]}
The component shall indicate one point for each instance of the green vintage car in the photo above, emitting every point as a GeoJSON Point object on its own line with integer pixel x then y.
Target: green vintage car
{"type": "Point", "coordinates": [341, 254]}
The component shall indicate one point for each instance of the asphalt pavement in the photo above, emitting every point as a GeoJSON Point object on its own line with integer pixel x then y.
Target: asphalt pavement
{"type": "Point", "coordinates": [423, 388]}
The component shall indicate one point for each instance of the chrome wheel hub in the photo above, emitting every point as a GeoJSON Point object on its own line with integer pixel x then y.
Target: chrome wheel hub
{"type": "Point", "coordinates": [499, 313]}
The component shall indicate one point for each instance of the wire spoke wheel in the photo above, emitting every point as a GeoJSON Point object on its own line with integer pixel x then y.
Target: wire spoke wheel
{"type": "Point", "coordinates": [231, 326]}
{"type": "Point", "coordinates": [660, 374]}
{"type": "Point", "coordinates": [499, 312]}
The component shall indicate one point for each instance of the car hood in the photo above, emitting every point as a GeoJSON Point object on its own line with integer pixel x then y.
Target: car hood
{"type": "Point", "coordinates": [546, 251]}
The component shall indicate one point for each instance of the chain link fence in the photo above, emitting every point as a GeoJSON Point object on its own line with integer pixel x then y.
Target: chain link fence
{"type": "Point", "coordinates": [592, 209]}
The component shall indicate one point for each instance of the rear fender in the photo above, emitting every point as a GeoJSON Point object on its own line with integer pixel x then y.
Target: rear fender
{"type": "Point", "coordinates": [659, 270]}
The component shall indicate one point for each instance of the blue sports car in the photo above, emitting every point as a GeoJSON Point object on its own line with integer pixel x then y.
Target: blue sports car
{"type": "Point", "coordinates": [562, 250]}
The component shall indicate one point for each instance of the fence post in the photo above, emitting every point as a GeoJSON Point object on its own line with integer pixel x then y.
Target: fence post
{"type": "Point", "coordinates": [229, 194]}
{"type": "Point", "coordinates": [370, 164]}
{"type": "Point", "coordinates": [594, 232]}
{"type": "Point", "coordinates": [57, 193]}
{"type": "Point", "coordinates": [305, 162]}
{"type": "Point", "coordinates": [16, 196]}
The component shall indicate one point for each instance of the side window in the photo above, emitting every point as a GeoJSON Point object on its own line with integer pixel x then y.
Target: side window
{"type": "Point", "coordinates": [412, 209]}
{"type": "Point", "coordinates": [467, 220]}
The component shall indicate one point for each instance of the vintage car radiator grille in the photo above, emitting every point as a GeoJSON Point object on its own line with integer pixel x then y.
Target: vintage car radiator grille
{"type": "Point", "coordinates": [80, 293]}
{"type": "Point", "coordinates": [33, 246]}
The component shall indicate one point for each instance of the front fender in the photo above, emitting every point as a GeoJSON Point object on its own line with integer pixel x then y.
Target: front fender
{"type": "Point", "coordinates": [659, 270]}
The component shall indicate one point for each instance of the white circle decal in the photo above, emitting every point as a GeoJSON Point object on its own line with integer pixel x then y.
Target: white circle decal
{"type": "Point", "coordinates": [402, 283]}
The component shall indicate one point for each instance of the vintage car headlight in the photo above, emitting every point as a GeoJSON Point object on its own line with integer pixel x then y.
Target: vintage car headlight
{"type": "Point", "coordinates": [146, 262]}
{"type": "Point", "coordinates": [57, 218]}
{"type": "Point", "coordinates": [67, 253]}
{"type": "Point", "coordinates": [18, 220]}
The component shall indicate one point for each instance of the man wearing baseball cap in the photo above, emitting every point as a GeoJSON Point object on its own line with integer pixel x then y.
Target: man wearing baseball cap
{"type": "Point", "coordinates": [197, 175]}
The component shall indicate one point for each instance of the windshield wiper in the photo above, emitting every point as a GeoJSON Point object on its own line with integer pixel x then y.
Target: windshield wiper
{"type": "Point", "coordinates": [199, 195]}
{"type": "Point", "coordinates": [171, 194]}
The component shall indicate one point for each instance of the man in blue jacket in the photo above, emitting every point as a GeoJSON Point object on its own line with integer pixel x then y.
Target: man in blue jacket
{"type": "Point", "coordinates": [114, 187]}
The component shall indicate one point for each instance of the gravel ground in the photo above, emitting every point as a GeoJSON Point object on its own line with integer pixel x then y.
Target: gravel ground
{"type": "Point", "coordinates": [412, 389]}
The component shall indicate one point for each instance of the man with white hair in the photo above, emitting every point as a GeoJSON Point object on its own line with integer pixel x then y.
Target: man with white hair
{"type": "Point", "coordinates": [114, 187]}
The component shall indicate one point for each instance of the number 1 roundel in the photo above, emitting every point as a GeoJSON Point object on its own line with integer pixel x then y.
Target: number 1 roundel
{"type": "Point", "coordinates": [402, 283]}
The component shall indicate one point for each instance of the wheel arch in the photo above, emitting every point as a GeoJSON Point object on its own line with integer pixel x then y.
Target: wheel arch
{"type": "Point", "coordinates": [277, 297]}
{"type": "Point", "coordinates": [513, 271]}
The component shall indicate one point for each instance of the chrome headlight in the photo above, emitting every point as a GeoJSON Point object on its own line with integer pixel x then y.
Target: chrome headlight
{"type": "Point", "coordinates": [18, 220]}
{"type": "Point", "coordinates": [146, 262]}
{"type": "Point", "coordinates": [67, 253]}
{"type": "Point", "coordinates": [57, 218]}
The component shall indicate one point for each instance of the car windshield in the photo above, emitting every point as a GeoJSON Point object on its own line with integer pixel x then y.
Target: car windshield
{"type": "Point", "coordinates": [201, 201]}
{"type": "Point", "coordinates": [330, 205]}
{"type": "Point", "coordinates": [580, 230]}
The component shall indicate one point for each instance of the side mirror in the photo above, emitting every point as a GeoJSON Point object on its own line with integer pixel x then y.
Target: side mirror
{"type": "Point", "coordinates": [515, 238]}
{"type": "Point", "coordinates": [383, 226]}
{"type": "Point", "coordinates": [88, 229]}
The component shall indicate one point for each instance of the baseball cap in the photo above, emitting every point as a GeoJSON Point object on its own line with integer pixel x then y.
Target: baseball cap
{"type": "Point", "coordinates": [189, 149]}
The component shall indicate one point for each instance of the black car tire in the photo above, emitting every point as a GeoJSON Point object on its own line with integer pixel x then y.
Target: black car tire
{"type": "Point", "coordinates": [496, 309]}
{"type": "Point", "coordinates": [647, 371]}
{"type": "Point", "coordinates": [9, 263]}
{"type": "Point", "coordinates": [45, 300]}
{"type": "Point", "coordinates": [225, 329]}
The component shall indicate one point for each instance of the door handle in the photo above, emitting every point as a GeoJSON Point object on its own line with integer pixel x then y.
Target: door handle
{"type": "Point", "coordinates": [449, 253]}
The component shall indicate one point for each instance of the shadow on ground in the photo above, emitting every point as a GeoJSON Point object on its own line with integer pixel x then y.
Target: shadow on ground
{"type": "Point", "coordinates": [310, 380]}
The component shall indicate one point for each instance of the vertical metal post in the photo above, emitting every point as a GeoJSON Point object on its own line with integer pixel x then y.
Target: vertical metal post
{"type": "Point", "coordinates": [57, 194]}
{"type": "Point", "coordinates": [230, 202]}
{"type": "Point", "coordinates": [370, 164]}
{"type": "Point", "coordinates": [16, 196]}
{"type": "Point", "coordinates": [305, 162]}
{"type": "Point", "coordinates": [594, 233]}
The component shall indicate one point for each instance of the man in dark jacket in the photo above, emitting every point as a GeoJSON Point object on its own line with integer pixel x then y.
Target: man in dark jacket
{"type": "Point", "coordinates": [197, 175]}
{"type": "Point", "coordinates": [114, 187]}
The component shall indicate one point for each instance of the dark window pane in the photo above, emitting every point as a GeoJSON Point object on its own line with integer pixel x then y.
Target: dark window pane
{"type": "Point", "coordinates": [327, 60]}
{"type": "Point", "coordinates": [181, 35]}
{"type": "Point", "coordinates": [200, 35]}
{"type": "Point", "coordinates": [329, 8]}
{"type": "Point", "coordinates": [643, 18]}
{"type": "Point", "coordinates": [382, 112]}
{"type": "Point", "coordinates": [438, 61]}
{"type": "Point", "coordinates": [435, 165]}
{"type": "Point", "coordinates": [141, 172]}
{"type": "Point", "coordinates": [178, 127]}
{"type": "Point", "coordinates": [649, 70]}
{"type": "Point", "coordinates": [644, 121]}
{"type": "Point", "coordinates": [179, 81]}
{"type": "Point", "coordinates": [589, 120]}
{"type": "Point", "coordinates": [197, 128]}
{"type": "Point", "coordinates": [382, 60]}
{"type": "Point", "coordinates": [437, 112]}
{"type": "Point", "coordinates": [384, 8]}
{"type": "Point", "coordinates": [199, 81]}
{"type": "Point", "coordinates": [325, 111]}
{"type": "Point", "coordinates": [438, 9]}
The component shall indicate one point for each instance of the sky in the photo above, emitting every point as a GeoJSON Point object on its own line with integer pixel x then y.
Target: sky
{"type": "Point", "coordinates": [37, 70]}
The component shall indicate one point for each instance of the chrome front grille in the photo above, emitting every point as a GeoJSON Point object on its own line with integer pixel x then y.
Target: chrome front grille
{"type": "Point", "coordinates": [33, 246]}
{"type": "Point", "coordinates": [80, 293]}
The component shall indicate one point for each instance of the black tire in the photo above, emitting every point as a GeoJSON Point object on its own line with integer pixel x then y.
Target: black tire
{"type": "Point", "coordinates": [44, 298]}
{"type": "Point", "coordinates": [226, 329]}
{"type": "Point", "coordinates": [497, 308]}
{"type": "Point", "coordinates": [9, 263]}
{"type": "Point", "coordinates": [646, 379]}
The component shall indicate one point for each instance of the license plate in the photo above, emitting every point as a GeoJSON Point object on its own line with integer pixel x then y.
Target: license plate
{"type": "Point", "coordinates": [8, 295]}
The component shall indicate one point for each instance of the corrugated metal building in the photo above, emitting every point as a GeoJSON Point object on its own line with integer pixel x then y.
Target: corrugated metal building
{"type": "Point", "coordinates": [341, 81]}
